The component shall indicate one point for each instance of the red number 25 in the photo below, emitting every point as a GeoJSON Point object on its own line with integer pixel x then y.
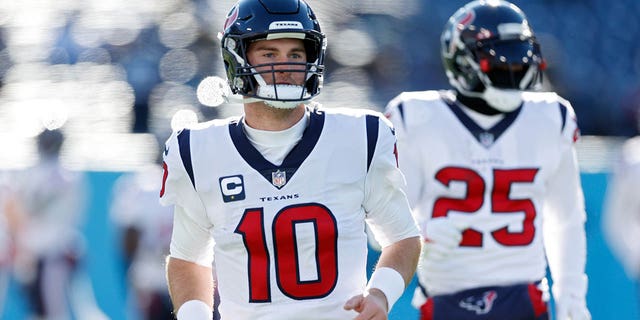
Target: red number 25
{"type": "Point", "coordinates": [501, 203]}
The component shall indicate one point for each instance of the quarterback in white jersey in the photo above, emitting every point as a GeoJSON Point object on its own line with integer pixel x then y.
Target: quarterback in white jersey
{"type": "Point", "coordinates": [492, 177]}
{"type": "Point", "coordinates": [288, 238]}
{"type": "Point", "coordinates": [282, 194]}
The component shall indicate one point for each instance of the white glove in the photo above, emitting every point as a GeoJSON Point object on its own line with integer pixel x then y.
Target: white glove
{"type": "Point", "coordinates": [572, 308]}
{"type": "Point", "coordinates": [442, 236]}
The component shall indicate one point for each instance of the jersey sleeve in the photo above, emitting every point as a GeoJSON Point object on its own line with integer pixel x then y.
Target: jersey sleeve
{"type": "Point", "coordinates": [177, 186]}
{"type": "Point", "coordinates": [565, 198]}
{"type": "Point", "coordinates": [565, 216]}
{"type": "Point", "coordinates": [570, 129]}
{"type": "Point", "coordinates": [409, 161]}
{"type": "Point", "coordinates": [190, 240]}
{"type": "Point", "coordinates": [386, 205]}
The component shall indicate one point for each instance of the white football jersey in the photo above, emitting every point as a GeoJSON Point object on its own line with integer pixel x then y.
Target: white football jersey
{"type": "Point", "coordinates": [54, 200]}
{"type": "Point", "coordinates": [289, 240]}
{"type": "Point", "coordinates": [504, 181]}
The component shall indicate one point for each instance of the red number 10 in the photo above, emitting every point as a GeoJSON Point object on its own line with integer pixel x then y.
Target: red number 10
{"type": "Point", "coordinates": [286, 259]}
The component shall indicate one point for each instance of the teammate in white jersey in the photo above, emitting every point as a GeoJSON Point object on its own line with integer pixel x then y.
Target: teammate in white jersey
{"type": "Point", "coordinates": [282, 193]}
{"type": "Point", "coordinates": [492, 177]}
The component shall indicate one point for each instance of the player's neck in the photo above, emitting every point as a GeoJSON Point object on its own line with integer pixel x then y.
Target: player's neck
{"type": "Point", "coordinates": [476, 104]}
{"type": "Point", "coordinates": [260, 116]}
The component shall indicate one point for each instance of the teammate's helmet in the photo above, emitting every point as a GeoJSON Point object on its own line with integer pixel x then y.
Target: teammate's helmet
{"type": "Point", "coordinates": [488, 45]}
{"type": "Point", "coordinates": [50, 142]}
{"type": "Point", "coordinates": [251, 20]}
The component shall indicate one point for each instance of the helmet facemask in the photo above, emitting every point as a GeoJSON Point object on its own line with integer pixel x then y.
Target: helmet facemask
{"type": "Point", "coordinates": [262, 81]}
{"type": "Point", "coordinates": [505, 68]}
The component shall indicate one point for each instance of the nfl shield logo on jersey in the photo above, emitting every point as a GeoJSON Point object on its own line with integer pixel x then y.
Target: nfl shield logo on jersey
{"type": "Point", "coordinates": [279, 178]}
{"type": "Point", "coordinates": [486, 139]}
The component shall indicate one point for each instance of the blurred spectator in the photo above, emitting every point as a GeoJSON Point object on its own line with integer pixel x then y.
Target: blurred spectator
{"type": "Point", "coordinates": [141, 59]}
{"type": "Point", "coordinates": [47, 203]}
{"type": "Point", "coordinates": [631, 111]}
{"type": "Point", "coordinates": [621, 221]}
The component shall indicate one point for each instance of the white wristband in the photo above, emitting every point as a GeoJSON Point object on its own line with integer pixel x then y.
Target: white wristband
{"type": "Point", "coordinates": [194, 310]}
{"type": "Point", "coordinates": [390, 282]}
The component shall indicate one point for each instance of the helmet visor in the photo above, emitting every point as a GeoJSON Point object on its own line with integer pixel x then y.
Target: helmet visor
{"type": "Point", "coordinates": [511, 64]}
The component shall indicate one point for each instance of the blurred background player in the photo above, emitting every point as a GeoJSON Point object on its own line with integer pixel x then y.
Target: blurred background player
{"type": "Point", "coordinates": [47, 203]}
{"type": "Point", "coordinates": [282, 193]}
{"type": "Point", "coordinates": [621, 219]}
{"type": "Point", "coordinates": [144, 227]}
{"type": "Point", "coordinates": [6, 244]}
{"type": "Point", "coordinates": [492, 176]}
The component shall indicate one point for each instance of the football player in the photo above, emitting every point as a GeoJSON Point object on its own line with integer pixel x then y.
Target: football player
{"type": "Point", "coordinates": [282, 193]}
{"type": "Point", "coordinates": [492, 177]}
{"type": "Point", "coordinates": [47, 203]}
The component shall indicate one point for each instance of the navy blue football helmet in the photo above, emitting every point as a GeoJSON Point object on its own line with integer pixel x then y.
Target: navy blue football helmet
{"type": "Point", "coordinates": [488, 46]}
{"type": "Point", "coordinates": [251, 20]}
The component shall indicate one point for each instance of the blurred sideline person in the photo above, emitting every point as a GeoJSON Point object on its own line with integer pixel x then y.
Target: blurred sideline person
{"type": "Point", "coordinates": [47, 204]}
{"type": "Point", "coordinates": [5, 268]}
{"type": "Point", "coordinates": [6, 244]}
{"type": "Point", "coordinates": [282, 193]}
{"type": "Point", "coordinates": [145, 233]}
{"type": "Point", "coordinates": [492, 177]}
{"type": "Point", "coordinates": [621, 219]}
